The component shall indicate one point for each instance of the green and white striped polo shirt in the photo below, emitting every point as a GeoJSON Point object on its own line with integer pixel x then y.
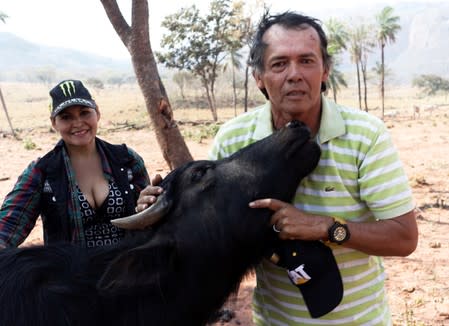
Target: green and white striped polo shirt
{"type": "Point", "coordinates": [359, 178]}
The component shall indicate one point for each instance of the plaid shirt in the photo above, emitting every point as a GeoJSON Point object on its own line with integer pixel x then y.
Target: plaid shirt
{"type": "Point", "coordinates": [22, 206]}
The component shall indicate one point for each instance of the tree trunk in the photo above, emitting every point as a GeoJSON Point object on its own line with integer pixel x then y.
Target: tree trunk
{"type": "Point", "coordinates": [363, 64]}
{"type": "Point", "coordinates": [382, 79]}
{"type": "Point", "coordinates": [6, 113]}
{"type": "Point", "coordinates": [365, 91]}
{"type": "Point", "coordinates": [137, 40]}
{"type": "Point", "coordinates": [246, 88]}
{"type": "Point", "coordinates": [210, 99]}
{"type": "Point", "coordinates": [213, 100]}
{"type": "Point", "coordinates": [234, 91]}
{"type": "Point", "coordinates": [358, 85]}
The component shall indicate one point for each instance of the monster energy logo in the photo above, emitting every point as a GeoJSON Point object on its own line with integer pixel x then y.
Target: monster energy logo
{"type": "Point", "coordinates": [67, 88]}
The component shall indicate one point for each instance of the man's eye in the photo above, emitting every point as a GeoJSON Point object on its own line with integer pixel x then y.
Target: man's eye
{"type": "Point", "coordinates": [278, 64]}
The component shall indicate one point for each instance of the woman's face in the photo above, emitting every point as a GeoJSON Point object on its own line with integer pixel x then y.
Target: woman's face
{"type": "Point", "coordinates": [77, 125]}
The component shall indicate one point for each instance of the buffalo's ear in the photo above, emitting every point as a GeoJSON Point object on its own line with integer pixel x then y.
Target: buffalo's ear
{"type": "Point", "coordinates": [140, 269]}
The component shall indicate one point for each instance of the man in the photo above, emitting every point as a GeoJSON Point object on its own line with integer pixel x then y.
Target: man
{"type": "Point", "coordinates": [357, 199]}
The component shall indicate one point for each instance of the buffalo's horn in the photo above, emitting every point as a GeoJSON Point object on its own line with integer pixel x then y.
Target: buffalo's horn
{"type": "Point", "coordinates": [145, 218]}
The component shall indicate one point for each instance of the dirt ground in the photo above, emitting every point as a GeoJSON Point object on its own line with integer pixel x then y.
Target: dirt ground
{"type": "Point", "coordinates": [418, 285]}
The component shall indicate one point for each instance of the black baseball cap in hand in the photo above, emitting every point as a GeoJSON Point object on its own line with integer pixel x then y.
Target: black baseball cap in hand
{"type": "Point", "coordinates": [311, 266]}
{"type": "Point", "coordinates": [69, 93]}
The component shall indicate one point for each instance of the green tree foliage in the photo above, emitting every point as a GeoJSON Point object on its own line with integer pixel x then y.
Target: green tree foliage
{"type": "Point", "coordinates": [431, 84]}
{"type": "Point", "coordinates": [200, 44]}
{"type": "Point", "coordinates": [387, 28]}
{"type": "Point", "coordinates": [338, 38]}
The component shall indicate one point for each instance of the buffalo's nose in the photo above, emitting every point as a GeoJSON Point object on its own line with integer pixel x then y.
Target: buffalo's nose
{"type": "Point", "coordinates": [295, 124]}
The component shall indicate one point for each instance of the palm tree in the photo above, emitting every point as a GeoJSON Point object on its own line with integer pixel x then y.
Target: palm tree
{"type": "Point", "coordinates": [356, 57]}
{"type": "Point", "coordinates": [337, 34]}
{"type": "Point", "coordinates": [336, 79]}
{"type": "Point", "coordinates": [387, 27]}
{"type": "Point", "coordinates": [235, 63]}
{"type": "Point", "coordinates": [338, 37]}
{"type": "Point", "coordinates": [361, 44]}
{"type": "Point", "coordinates": [377, 70]}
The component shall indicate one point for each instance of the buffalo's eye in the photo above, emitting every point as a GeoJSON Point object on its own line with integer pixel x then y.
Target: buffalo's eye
{"type": "Point", "coordinates": [199, 172]}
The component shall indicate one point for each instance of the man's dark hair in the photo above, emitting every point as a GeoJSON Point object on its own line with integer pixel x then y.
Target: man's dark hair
{"type": "Point", "coordinates": [288, 20]}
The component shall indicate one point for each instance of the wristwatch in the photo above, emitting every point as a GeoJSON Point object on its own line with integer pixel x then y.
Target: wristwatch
{"type": "Point", "coordinates": [338, 232]}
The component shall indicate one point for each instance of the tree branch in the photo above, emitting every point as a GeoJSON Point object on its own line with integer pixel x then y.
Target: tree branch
{"type": "Point", "coordinates": [117, 20]}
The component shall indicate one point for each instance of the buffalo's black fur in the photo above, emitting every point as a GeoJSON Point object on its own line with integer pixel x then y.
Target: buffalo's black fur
{"type": "Point", "coordinates": [182, 270]}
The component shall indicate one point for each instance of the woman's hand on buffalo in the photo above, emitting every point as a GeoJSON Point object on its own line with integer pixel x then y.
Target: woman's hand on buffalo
{"type": "Point", "coordinates": [149, 194]}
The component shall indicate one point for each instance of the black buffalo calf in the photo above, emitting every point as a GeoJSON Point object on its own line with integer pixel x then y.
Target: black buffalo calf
{"type": "Point", "coordinates": [202, 240]}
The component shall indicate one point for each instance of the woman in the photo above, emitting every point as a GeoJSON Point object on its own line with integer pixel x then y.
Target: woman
{"type": "Point", "coordinates": [80, 185]}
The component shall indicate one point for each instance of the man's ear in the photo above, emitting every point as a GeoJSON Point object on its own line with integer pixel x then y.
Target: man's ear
{"type": "Point", "coordinates": [326, 73]}
{"type": "Point", "coordinates": [140, 269]}
{"type": "Point", "coordinates": [258, 78]}
{"type": "Point", "coordinates": [260, 83]}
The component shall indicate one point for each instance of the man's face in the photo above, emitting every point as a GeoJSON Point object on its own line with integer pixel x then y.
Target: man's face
{"type": "Point", "coordinates": [293, 72]}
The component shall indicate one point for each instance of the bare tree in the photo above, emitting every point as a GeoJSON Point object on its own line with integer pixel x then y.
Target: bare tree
{"type": "Point", "coordinates": [136, 38]}
{"type": "Point", "coordinates": [3, 17]}
{"type": "Point", "coordinates": [6, 113]}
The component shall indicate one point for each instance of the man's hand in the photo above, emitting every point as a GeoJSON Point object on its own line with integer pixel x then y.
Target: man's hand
{"type": "Point", "coordinates": [149, 195]}
{"type": "Point", "coordinates": [292, 223]}
{"type": "Point", "coordinates": [397, 236]}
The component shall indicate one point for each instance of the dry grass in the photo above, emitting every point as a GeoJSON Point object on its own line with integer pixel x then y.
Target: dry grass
{"type": "Point", "coordinates": [28, 105]}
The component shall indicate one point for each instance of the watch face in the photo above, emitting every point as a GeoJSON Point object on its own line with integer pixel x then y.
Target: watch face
{"type": "Point", "coordinates": [339, 233]}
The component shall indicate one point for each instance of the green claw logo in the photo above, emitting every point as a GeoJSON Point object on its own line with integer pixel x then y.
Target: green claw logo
{"type": "Point", "coordinates": [67, 88]}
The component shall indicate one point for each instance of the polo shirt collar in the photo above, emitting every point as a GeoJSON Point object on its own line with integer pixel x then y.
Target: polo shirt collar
{"type": "Point", "coordinates": [331, 125]}
{"type": "Point", "coordinates": [264, 126]}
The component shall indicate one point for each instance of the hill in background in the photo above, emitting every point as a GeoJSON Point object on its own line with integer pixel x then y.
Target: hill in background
{"type": "Point", "coordinates": [21, 60]}
{"type": "Point", "coordinates": [421, 47]}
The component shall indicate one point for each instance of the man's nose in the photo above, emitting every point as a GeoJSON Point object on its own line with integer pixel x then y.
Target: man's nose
{"type": "Point", "coordinates": [294, 73]}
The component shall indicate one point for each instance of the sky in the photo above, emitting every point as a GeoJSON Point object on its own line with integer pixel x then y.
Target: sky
{"type": "Point", "coordinates": [83, 24]}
